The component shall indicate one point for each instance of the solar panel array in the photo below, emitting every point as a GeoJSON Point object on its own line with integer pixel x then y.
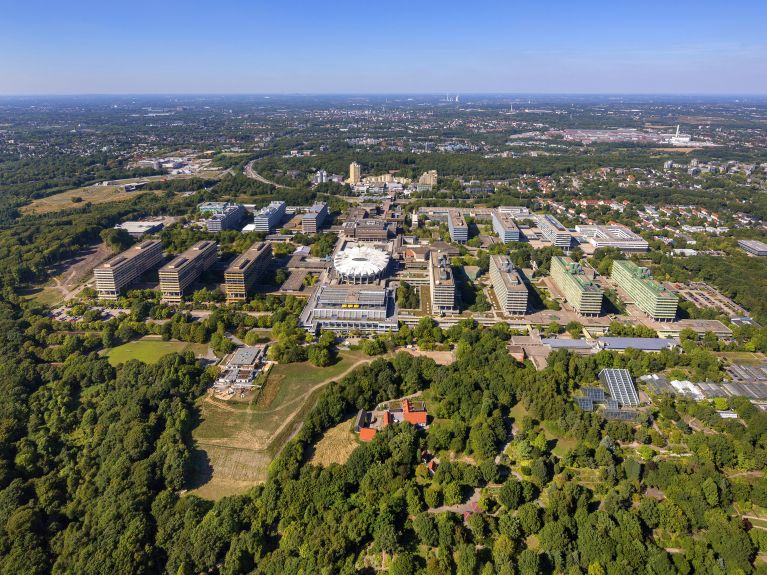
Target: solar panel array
{"type": "Point", "coordinates": [619, 414]}
{"type": "Point", "coordinates": [584, 403]}
{"type": "Point", "coordinates": [594, 393]}
{"type": "Point", "coordinates": [620, 384]}
{"type": "Point", "coordinates": [611, 403]}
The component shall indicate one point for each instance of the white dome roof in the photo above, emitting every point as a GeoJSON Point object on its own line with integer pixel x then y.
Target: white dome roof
{"type": "Point", "coordinates": [360, 261]}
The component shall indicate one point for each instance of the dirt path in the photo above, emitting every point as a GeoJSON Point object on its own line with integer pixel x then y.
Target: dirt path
{"type": "Point", "coordinates": [307, 394]}
{"type": "Point", "coordinates": [460, 508]}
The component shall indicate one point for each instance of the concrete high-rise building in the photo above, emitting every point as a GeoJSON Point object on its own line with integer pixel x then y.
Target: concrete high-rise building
{"type": "Point", "coordinates": [269, 217]}
{"type": "Point", "coordinates": [355, 173]}
{"type": "Point", "coordinates": [428, 178]}
{"type": "Point", "coordinates": [456, 224]}
{"type": "Point", "coordinates": [553, 230]}
{"type": "Point", "coordinates": [228, 220]}
{"type": "Point", "coordinates": [313, 219]}
{"type": "Point", "coordinates": [510, 290]}
{"type": "Point", "coordinates": [245, 270]}
{"type": "Point", "coordinates": [123, 269]}
{"type": "Point", "coordinates": [442, 285]}
{"type": "Point", "coordinates": [505, 227]}
{"type": "Point", "coordinates": [184, 269]}
{"type": "Point", "coordinates": [581, 293]}
{"type": "Point", "coordinates": [652, 298]}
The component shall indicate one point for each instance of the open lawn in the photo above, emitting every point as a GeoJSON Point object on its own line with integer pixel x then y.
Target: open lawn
{"type": "Point", "coordinates": [336, 445]}
{"type": "Point", "coordinates": [744, 357]}
{"type": "Point", "coordinates": [563, 442]}
{"type": "Point", "coordinates": [151, 350]}
{"type": "Point", "coordinates": [236, 440]}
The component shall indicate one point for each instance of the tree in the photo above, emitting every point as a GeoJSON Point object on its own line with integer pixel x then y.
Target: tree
{"type": "Point", "coordinates": [510, 495]}
{"type": "Point", "coordinates": [403, 564]}
{"type": "Point", "coordinates": [117, 239]}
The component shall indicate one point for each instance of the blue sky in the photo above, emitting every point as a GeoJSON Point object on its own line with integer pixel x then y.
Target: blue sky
{"type": "Point", "coordinates": [509, 46]}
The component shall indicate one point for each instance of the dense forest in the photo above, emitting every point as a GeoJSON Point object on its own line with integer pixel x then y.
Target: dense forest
{"type": "Point", "coordinates": [95, 459]}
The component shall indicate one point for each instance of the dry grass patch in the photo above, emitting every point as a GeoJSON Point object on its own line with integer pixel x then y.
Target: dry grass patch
{"type": "Point", "coordinates": [336, 445]}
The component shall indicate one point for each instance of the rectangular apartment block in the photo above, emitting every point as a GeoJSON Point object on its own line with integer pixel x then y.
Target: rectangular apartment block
{"type": "Point", "coordinates": [652, 298]}
{"type": "Point", "coordinates": [313, 219]}
{"type": "Point", "coordinates": [269, 218]}
{"type": "Point", "coordinates": [228, 220]}
{"type": "Point", "coordinates": [510, 290]}
{"type": "Point", "coordinates": [504, 226]}
{"type": "Point", "coordinates": [184, 269]}
{"type": "Point", "coordinates": [584, 295]}
{"type": "Point", "coordinates": [210, 208]}
{"type": "Point", "coordinates": [754, 247]}
{"type": "Point", "coordinates": [245, 270]}
{"type": "Point", "coordinates": [442, 284]}
{"type": "Point", "coordinates": [123, 269]}
{"type": "Point", "coordinates": [553, 230]}
{"type": "Point", "coordinates": [459, 231]}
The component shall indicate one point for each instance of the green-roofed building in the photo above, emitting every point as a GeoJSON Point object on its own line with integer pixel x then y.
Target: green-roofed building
{"type": "Point", "coordinates": [580, 292]}
{"type": "Point", "coordinates": [657, 301]}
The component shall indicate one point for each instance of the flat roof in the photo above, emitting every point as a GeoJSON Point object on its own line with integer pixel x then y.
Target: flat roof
{"type": "Point", "coordinates": [188, 256]}
{"type": "Point", "coordinates": [574, 270]}
{"type": "Point", "coordinates": [245, 355]}
{"type": "Point", "coordinates": [441, 265]}
{"type": "Point", "coordinates": [754, 244]}
{"type": "Point", "coordinates": [243, 260]}
{"type": "Point", "coordinates": [510, 275]}
{"type": "Point", "coordinates": [640, 343]}
{"type": "Point", "coordinates": [132, 252]}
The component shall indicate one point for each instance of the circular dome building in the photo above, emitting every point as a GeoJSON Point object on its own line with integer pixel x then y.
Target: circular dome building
{"type": "Point", "coordinates": [360, 264]}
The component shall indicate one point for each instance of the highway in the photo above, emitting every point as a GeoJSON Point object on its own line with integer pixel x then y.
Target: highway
{"type": "Point", "coordinates": [251, 173]}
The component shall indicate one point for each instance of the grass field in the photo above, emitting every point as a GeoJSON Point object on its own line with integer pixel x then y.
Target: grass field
{"type": "Point", "coordinates": [92, 194]}
{"type": "Point", "coordinates": [151, 350]}
{"type": "Point", "coordinates": [237, 440]}
{"type": "Point", "coordinates": [336, 445]}
{"type": "Point", "coordinates": [744, 357]}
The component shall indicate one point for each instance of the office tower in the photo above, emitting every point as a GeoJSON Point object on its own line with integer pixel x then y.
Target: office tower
{"type": "Point", "coordinates": [313, 219]}
{"type": "Point", "coordinates": [355, 173]}
{"type": "Point", "coordinates": [227, 220]}
{"type": "Point", "coordinates": [442, 284]}
{"type": "Point", "coordinates": [245, 270]}
{"type": "Point", "coordinates": [584, 295]}
{"type": "Point", "coordinates": [456, 224]}
{"type": "Point", "coordinates": [651, 297]}
{"type": "Point", "coordinates": [184, 269]}
{"type": "Point", "coordinates": [510, 291]}
{"type": "Point", "coordinates": [553, 230]}
{"type": "Point", "coordinates": [269, 217]}
{"type": "Point", "coordinates": [123, 269]}
{"type": "Point", "coordinates": [505, 227]}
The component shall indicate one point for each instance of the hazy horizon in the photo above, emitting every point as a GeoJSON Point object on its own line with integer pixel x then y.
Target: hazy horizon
{"type": "Point", "coordinates": [246, 48]}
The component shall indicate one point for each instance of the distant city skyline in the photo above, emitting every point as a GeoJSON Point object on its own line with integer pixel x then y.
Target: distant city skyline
{"type": "Point", "coordinates": [237, 47]}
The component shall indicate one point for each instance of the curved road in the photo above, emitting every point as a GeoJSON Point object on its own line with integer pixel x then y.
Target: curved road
{"type": "Point", "coordinates": [249, 172]}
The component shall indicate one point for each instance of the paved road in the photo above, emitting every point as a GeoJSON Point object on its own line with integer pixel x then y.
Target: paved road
{"type": "Point", "coordinates": [249, 172]}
